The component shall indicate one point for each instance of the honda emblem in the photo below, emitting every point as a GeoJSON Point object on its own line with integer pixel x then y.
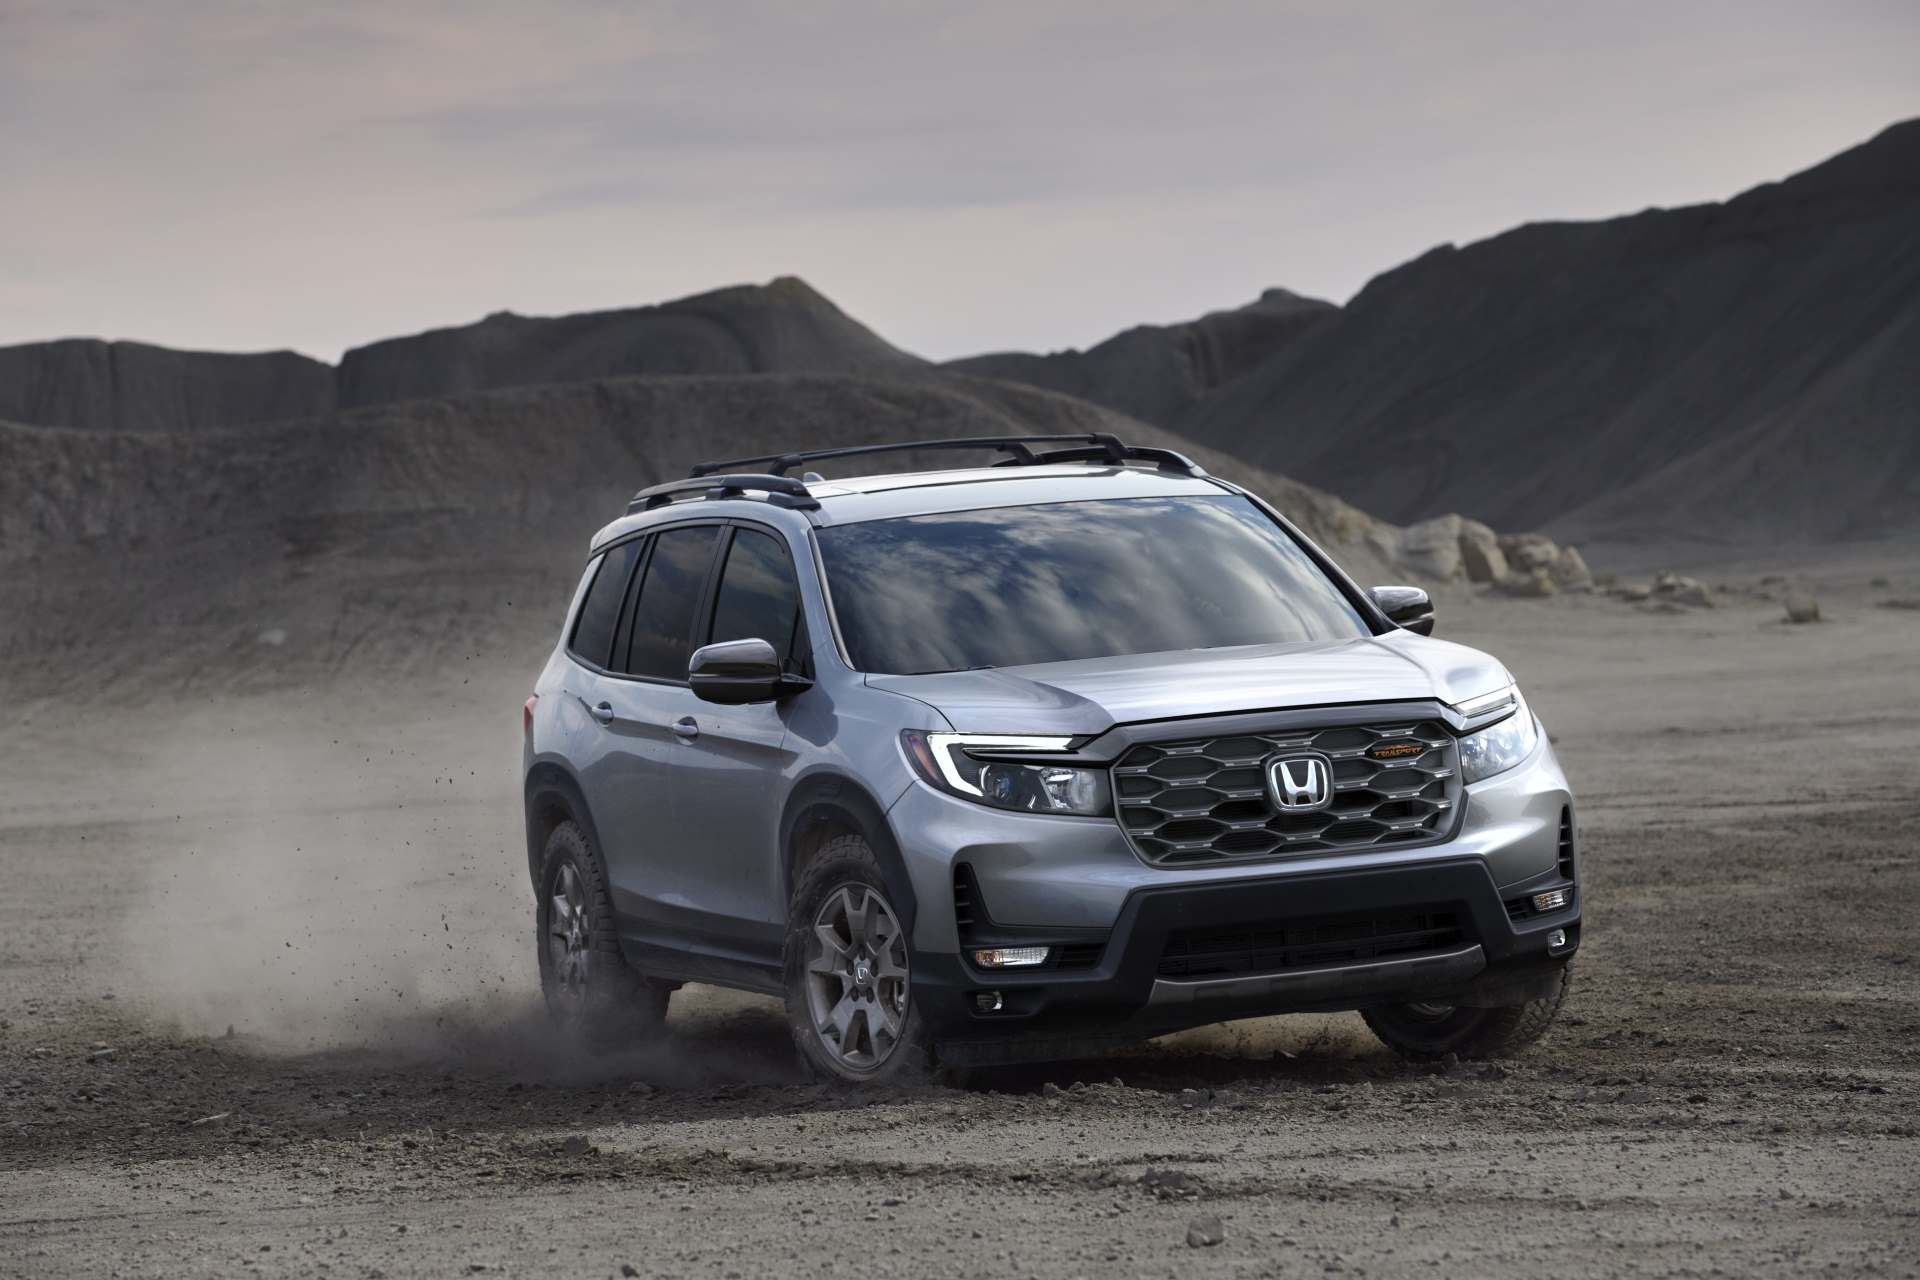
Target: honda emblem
{"type": "Point", "coordinates": [1300, 783]}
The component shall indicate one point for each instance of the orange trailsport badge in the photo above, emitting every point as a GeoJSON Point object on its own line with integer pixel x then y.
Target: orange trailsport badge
{"type": "Point", "coordinates": [1396, 750]}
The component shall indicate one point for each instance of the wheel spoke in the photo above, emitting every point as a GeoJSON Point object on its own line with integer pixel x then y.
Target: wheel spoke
{"type": "Point", "coordinates": [839, 1020]}
{"type": "Point", "coordinates": [836, 955]}
{"type": "Point", "coordinates": [881, 1022]}
{"type": "Point", "coordinates": [855, 917]}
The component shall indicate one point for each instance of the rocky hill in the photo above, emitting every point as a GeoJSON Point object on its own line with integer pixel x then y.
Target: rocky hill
{"type": "Point", "coordinates": [782, 327]}
{"type": "Point", "coordinates": [785, 326]}
{"type": "Point", "coordinates": [417, 533]}
{"type": "Point", "coordinates": [1157, 372]}
{"type": "Point", "coordinates": [1740, 372]}
{"type": "Point", "coordinates": [129, 386]}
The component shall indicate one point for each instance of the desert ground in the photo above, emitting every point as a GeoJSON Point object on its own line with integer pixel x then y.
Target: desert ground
{"type": "Point", "coordinates": [268, 1004]}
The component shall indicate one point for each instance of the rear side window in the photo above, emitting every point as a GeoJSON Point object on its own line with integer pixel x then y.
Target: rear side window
{"type": "Point", "coordinates": [593, 632]}
{"type": "Point", "coordinates": [676, 574]}
{"type": "Point", "coordinates": [758, 597]}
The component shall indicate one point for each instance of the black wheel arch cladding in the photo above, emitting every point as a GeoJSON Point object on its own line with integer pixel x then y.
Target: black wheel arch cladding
{"type": "Point", "coordinates": [552, 797]}
{"type": "Point", "coordinates": [835, 802]}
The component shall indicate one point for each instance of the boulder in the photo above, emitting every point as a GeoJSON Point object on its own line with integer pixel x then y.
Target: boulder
{"type": "Point", "coordinates": [1527, 551]}
{"type": "Point", "coordinates": [1480, 553]}
{"type": "Point", "coordinates": [1530, 584]}
{"type": "Point", "coordinates": [1801, 609]}
{"type": "Point", "coordinates": [1432, 548]}
{"type": "Point", "coordinates": [1679, 589]}
{"type": "Point", "coordinates": [1570, 572]}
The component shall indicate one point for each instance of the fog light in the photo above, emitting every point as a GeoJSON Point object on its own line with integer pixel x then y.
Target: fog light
{"type": "Point", "coordinates": [988, 1001]}
{"type": "Point", "coordinates": [1552, 899]}
{"type": "Point", "coordinates": [1010, 957]}
{"type": "Point", "coordinates": [1556, 940]}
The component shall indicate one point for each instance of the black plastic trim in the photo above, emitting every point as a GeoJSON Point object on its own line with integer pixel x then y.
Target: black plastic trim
{"type": "Point", "coordinates": [1113, 997]}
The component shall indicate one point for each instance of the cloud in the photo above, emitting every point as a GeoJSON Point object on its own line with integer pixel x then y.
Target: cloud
{"type": "Point", "coordinates": [250, 174]}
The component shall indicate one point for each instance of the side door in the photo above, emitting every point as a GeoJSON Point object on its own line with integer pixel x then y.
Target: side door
{"type": "Point", "coordinates": [644, 711]}
{"type": "Point", "coordinates": [595, 745]}
{"type": "Point", "coordinates": [735, 768]}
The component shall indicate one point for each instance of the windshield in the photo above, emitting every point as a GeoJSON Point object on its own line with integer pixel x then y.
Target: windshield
{"type": "Point", "coordinates": [1010, 586]}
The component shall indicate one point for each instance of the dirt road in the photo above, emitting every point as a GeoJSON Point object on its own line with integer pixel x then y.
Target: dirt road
{"type": "Point", "coordinates": [1734, 1088]}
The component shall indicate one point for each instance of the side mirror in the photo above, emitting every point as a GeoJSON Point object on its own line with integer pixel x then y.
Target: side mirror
{"type": "Point", "coordinates": [1406, 607]}
{"type": "Point", "coordinates": [740, 671]}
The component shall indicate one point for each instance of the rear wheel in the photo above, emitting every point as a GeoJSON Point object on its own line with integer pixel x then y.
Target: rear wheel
{"type": "Point", "coordinates": [848, 972]}
{"type": "Point", "coordinates": [592, 994]}
{"type": "Point", "coordinates": [1426, 1031]}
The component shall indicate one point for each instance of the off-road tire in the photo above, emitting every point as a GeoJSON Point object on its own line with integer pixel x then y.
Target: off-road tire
{"type": "Point", "coordinates": [605, 1006]}
{"type": "Point", "coordinates": [844, 862]}
{"type": "Point", "coordinates": [1468, 1033]}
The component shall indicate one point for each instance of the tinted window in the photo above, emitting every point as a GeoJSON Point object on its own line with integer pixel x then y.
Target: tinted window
{"type": "Point", "coordinates": [758, 597]}
{"type": "Point", "coordinates": [593, 633]}
{"type": "Point", "coordinates": [1050, 583]}
{"type": "Point", "coordinates": [676, 573]}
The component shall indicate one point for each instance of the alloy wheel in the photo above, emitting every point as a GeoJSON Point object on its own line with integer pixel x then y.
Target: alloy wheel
{"type": "Point", "coordinates": [857, 978]}
{"type": "Point", "coordinates": [568, 937]}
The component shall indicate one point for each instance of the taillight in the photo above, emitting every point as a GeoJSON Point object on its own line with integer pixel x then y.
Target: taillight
{"type": "Point", "coordinates": [526, 716]}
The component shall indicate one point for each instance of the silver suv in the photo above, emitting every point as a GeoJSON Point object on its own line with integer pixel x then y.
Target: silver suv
{"type": "Point", "coordinates": [1021, 760]}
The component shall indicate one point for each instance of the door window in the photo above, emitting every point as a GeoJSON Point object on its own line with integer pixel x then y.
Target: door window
{"type": "Point", "coordinates": [669, 595]}
{"type": "Point", "coordinates": [758, 597]}
{"type": "Point", "coordinates": [593, 632]}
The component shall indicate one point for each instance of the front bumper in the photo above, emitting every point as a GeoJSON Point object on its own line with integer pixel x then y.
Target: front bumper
{"type": "Point", "coordinates": [1076, 883]}
{"type": "Point", "coordinates": [1493, 959]}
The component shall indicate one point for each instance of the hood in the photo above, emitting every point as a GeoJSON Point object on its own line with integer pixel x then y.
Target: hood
{"type": "Point", "coordinates": [1093, 695]}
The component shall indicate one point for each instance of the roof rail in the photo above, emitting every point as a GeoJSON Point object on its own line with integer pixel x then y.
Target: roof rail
{"type": "Point", "coordinates": [781, 491]}
{"type": "Point", "coordinates": [1090, 446]}
{"type": "Point", "coordinates": [1165, 459]}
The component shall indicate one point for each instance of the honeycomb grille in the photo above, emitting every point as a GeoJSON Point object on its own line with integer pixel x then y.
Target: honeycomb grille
{"type": "Point", "coordinates": [1207, 799]}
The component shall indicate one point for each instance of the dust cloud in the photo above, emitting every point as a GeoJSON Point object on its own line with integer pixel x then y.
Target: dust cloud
{"type": "Point", "coordinates": [317, 874]}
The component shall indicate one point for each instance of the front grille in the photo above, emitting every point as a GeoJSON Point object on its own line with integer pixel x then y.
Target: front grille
{"type": "Point", "coordinates": [1308, 943]}
{"type": "Point", "coordinates": [1207, 799]}
{"type": "Point", "coordinates": [1566, 844]}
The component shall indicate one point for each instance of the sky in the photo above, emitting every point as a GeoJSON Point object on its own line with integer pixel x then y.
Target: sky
{"type": "Point", "coordinates": [254, 175]}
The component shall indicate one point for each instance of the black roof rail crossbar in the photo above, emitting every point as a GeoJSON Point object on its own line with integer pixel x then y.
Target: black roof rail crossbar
{"type": "Point", "coordinates": [781, 491]}
{"type": "Point", "coordinates": [1103, 444]}
{"type": "Point", "coordinates": [1166, 459]}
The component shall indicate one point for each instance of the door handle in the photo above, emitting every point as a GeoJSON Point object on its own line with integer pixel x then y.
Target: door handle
{"type": "Point", "coordinates": [603, 712]}
{"type": "Point", "coordinates": [686, 728]}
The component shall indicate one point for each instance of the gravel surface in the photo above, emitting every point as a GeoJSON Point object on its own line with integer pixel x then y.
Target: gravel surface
{"type": "Point", "coordinates": [266, 1004]}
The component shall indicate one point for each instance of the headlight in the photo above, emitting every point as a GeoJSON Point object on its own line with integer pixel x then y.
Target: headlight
{"type": "Point", "coordinates": [950, 761]}
{"type": "Point", "coordinates": [1499, 747]}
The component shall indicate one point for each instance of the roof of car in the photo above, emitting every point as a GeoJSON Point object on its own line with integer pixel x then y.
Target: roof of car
{"type": "Point", "coordinates": [855, 499]}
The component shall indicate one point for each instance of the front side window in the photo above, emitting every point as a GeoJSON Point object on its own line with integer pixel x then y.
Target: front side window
{"type": "Point", "coordinates": [593, 632]}
{"type": "Point", "coordinates": [669, 594]}
{"type": "Point", "coordinates": [1011, 586]}
{"type": "Point", "coordinates": [758, 597]}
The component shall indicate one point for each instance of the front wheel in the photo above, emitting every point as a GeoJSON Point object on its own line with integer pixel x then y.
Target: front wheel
{"type": "Point", "coordinates": [1427, 1031]}
{"type": "Point", "coordinates": [849, 973]}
